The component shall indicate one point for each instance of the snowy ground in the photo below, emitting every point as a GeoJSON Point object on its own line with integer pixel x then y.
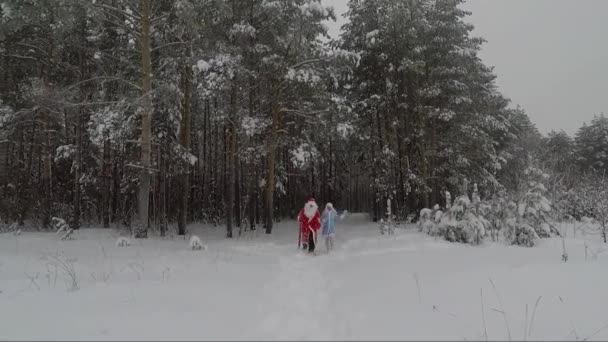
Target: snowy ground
{"type": "Point", "coordinates": [408, 287]}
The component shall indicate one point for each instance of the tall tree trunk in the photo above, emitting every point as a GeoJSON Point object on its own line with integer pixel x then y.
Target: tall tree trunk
{"type": "Point", "coordinates": [107, 183]}
{"type": "Point", "coordinates": [270, 176]}
{"type": "Point", "coordinates": [230, 160]}
{"type": "Point", "coordinates": [185, 139]}
{"type": "Point", "coordinates": [77, 168]}
{"type": "Point", "coordinates": [237, 183]}
{"type": "Point", "coordinates": [26, 181]}
{"type": "Point", "coordinates": [163, 190]}
{"type": "Point", "coordinates": [47, 173]}
{"type": "Point", "coordinates": [145, 8]}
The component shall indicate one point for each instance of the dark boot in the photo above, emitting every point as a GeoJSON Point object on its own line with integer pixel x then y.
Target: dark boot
{"type": "Point", "coordinates": [311, 243]}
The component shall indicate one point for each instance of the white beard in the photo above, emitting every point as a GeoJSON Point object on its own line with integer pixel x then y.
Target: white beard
{"type": "Point", "coordinates": [310, 209]}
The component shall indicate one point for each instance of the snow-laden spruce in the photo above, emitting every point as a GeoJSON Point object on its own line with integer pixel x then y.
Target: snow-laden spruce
{"type": "Point", "coordinates": [471, 221]}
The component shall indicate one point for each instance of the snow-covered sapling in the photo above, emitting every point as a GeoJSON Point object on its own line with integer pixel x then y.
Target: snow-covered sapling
{"type": "Point", "coordinates": [62, 227]}
{"type": "Point", "coordinates": [598, 194]}
{"type": "Point", "coordinates": [475, 198]}
{"type": "Point", "coordinates": [534, 207]}
{"type": "Point", "coordinates": [10, 229]}
{"type": "Point", "coordinates": [388, 225]}
{"type": "Point", "coordinates": [461, 223]}
{"type": "Point", "coordinates": [60, 224]}
{"type": "Point", "coordinates": [196, 244]}
{"type": "Point", "coordinates": [123, 242]}
{"type": "Point", "coordinates": [437, 215]}
{"type": "Point", "coordinates": [425, 223]}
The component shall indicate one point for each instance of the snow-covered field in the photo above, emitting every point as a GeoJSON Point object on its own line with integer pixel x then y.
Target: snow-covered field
{"type": "Point", "coordinates": [408, 287]}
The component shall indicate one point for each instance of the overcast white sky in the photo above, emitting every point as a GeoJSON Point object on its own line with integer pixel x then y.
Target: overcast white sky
{"type": "Point", "coordinates": [551, 56]}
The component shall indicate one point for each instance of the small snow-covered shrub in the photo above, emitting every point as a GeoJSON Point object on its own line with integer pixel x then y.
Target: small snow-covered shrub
{"type": "Point", "coordinates": [534, 207]}
{"type": "Point", "coordinates": [123, 242]}
{"type": "Point", "coordinates": [139, 230]}
{"type": "Point", "coordinates": [13, 228]}
{"type": "Point", "coordinates": [483, 214]}
{"type": "Point", "coordinates": [196, 244]}
{"type": "Point", "coordinates": [429, 219]}
{"type": "Point", "coordinates": [425, 222]}
{"type": "Point", "coordinates": [504, 219]}
{"type": "Point", "coordinates": [437, 216]}
{"type": "Point", "coordinates": [60, 224]}
{"type": "Point", "coordinates": [527, 220]}
{"type": "Point", "coordinates": [523, 235]}
{"type": "Point", "coordinates": [460, 223]}
{"type": "Point", "coordinates": [62, 227]}
{"type": "Point", "coordinates": [521, 222]}
{"type": "Point", "coordinates": [468, 229]}
{"type": "Point", "coordinates": [495, 215]}
{"type": "Point", "coordinates": [387, 224]}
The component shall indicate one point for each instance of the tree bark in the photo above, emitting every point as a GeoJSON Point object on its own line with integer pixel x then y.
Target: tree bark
{"type": "Point", "coordinates": [107, 181]}
{"type": "Point", "coordinates": [145, 8]}
{"type": "Point", "coordinates": [185, 139]}
{"type": "Point", "coordinates": [230, 160]}
{"type": "Point", "coordinates": [270, 176]}
{"type": "Point", "coordinates": [77, 168]}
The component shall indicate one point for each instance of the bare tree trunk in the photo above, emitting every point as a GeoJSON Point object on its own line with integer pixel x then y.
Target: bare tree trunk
{"type": "Point", "coordinates": [270, 178]}
{"type": "Point", "coordinates": [107, 180]}
{"type": "Point", "coordinates": [163, 190]}
{"type": "Point", "coordinates": [186, 142]}
{"type": "Point", "coordinates": [238, 176]}
{"type": "Point", "coordinates": [146, 122]}
{"type": "Point", "coordinates": [230, 161]}
{"type": "Point", "coordinates": [77, 168]}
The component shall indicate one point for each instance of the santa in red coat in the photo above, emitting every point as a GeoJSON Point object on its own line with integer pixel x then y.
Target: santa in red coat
{"type": "Point", "coordinates": [310, 222]}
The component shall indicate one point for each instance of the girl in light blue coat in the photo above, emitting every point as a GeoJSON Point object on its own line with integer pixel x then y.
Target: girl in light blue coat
{"type": "Point", "coordinates": [328, 225]}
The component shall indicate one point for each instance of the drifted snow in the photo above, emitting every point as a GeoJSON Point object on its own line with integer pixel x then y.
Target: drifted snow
{"type": "Point", "coordinates": [408, 286]}
{"type": "Point", "coordinates": [195, 243]}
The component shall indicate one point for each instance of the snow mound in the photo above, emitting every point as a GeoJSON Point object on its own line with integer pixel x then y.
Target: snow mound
{"type": "Point", "coordinates": [196, 244]}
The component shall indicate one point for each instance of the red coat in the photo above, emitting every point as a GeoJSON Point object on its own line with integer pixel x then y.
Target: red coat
{"type": "Point", "coordinates": [308, 226]}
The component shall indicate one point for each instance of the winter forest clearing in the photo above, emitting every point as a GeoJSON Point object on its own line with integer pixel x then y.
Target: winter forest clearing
{"type": "Point", "coordinates": [187, 169]}
{"type": "Point", "coordinates": [407, 285]}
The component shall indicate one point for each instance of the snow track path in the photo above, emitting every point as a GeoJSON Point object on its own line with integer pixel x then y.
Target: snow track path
{"type": "Point", "coordinates": [302, 291]}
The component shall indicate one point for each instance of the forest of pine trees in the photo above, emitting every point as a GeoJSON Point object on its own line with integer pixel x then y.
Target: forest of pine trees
{"type": "Point", "coordinates": [153, 114]}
